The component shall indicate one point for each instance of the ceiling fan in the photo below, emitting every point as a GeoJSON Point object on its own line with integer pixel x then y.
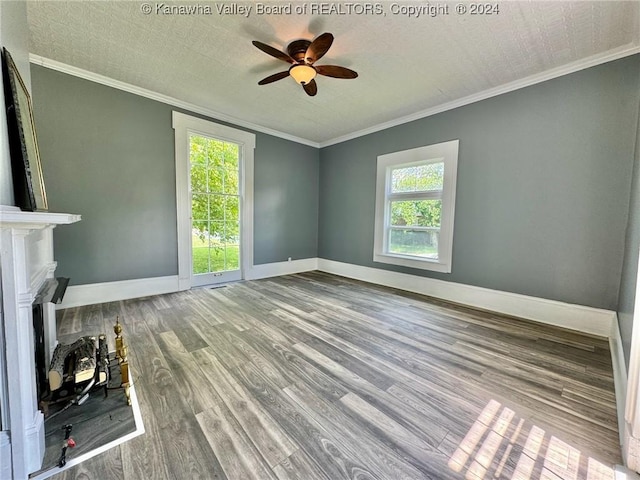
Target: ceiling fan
{"type": "Point", "coordinates": [302, 54]}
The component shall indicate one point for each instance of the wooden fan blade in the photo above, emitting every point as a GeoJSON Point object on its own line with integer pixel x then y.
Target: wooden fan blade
{"type": "Point", "coordinates": [318, 48]}
{"type": "Point", "coordinates": [274, 52]}
{"type": "Point", "coordinates": [311, 88]}
{"type": "Point", "coordinates": [335, 71]}
{"type": "Point", "coordinates": [273, 78]}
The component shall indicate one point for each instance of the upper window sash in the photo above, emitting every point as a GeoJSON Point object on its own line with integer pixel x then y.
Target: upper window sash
{"type": "Point", "coordinates": [418, 172]}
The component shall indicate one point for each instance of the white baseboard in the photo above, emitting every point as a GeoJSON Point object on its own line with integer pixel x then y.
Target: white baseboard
{"type": "Point", "coordinates": [80, 295]}
{"type": "Point", "coordinates": [619, 376]}
{"type": "Point", "coordinates": [589, 320]}
{"type": "Point", "coordinates": [281, 268]}
{"type": "Point", "coordinates": [575, 317]}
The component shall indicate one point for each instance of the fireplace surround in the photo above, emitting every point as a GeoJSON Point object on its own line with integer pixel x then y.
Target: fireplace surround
{"type": "Point", "coordinates": [26, 264]}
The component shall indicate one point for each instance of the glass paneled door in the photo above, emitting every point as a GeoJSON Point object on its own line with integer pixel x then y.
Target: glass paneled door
{"type": "Point", "coordinates": [215, 210]}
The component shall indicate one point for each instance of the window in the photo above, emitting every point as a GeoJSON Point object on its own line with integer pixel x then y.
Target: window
{"type": "Point", "coordinates": [415, 202]}
{"type": "Point", "coordinates": [214, 201]}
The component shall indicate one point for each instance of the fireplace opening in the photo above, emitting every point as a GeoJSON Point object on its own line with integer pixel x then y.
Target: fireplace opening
{"type": "Point", "coordinates": [52, 291]}
{"type": "Point", "coordinates": [41, 363]}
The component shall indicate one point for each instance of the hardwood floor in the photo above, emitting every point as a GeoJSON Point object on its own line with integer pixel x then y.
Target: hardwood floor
{"type": "Point", "coordinates": [314, 376]}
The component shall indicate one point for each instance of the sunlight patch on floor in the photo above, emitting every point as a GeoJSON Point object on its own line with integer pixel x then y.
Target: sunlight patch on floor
{"type": "Point", "coordinates": [527, 460]}
{"type": "Point", "coordinates": [473, 437]}
{"type": "Point", "coordinates": [491, 445]}
{"type": "Point", "coordinates": [499, 445]}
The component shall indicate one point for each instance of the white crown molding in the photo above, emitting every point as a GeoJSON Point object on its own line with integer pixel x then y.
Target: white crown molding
{"type": "Point", "coordinates": [593, 321]}
{"type": "Point", "coordinates": [159, 97]}
{"type": "Point", "coordinates": [592, 61]}
{"type": "Point", "coordinates": [573, 67]}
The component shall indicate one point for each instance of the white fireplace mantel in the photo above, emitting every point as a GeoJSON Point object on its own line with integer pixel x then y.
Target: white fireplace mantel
{"type": "Point", "coordinates": [26, 262]}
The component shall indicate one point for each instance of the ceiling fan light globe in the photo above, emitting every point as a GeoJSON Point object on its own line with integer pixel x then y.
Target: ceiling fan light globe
{"type": "Point", "coordinates": [302, 74]}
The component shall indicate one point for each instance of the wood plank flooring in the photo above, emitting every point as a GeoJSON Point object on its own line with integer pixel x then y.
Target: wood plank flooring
{"type": "Point", "coordinates": [314, 376]}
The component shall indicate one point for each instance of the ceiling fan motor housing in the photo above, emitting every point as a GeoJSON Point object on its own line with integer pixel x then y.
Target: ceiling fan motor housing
{"type": "Point", "coordinates": [298, 49]}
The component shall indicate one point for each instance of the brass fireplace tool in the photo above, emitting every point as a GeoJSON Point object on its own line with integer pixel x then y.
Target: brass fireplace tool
{"type": "Point", "coordinates": [121, 355]}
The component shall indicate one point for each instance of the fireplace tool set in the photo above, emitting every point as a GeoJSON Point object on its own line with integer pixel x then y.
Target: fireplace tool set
{"type": "Point", "coordinates": [81, 367]}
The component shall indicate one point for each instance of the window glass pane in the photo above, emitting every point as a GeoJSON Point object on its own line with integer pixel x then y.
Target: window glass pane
{"type": "Point", "coordinates": [197, 149]}
{"type": "Point", "coordinates": [232, 232]}
{"type": "Point", "coordinates": [414, 242]}
{"type": "Point", "coordinates": [198, 177]}
{"type": "Point", "coordinates": [200, 206]}
{"type": "Point", "coordinates": [231, 180]}
{"type": "Point", "coordinates": [216, 207]}
{"type": "Point", "coordinates": [232, 209]}
{"type": "Point", "coordinates": [217, 254]}
{"type": "Point", "coordinates": [416, 213]}
{"type": "Point", "coordinates": [216, 230]}
{"type": "Point", "coordinates": [215, 181]}
{"type": "Point", "coordinates": [232, 261]}
{"type": "Point", "coordinates": [418, 178]}
{"type": "Point", "coordinates": [200, 233]}
{"type": "Point", "coordinates": [215, 153]}
{"type": "Point", "coordinates": [200, 244]}
{"type": "Point", "coordinates": [231, 153]}
{"type": "Point", "coordinates": [200, 256]}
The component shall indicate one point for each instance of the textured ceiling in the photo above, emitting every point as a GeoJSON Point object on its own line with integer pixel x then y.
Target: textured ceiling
{"type": "Point", "coordinates": [406, 65]}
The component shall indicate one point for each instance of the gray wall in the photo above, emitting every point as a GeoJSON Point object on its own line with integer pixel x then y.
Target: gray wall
{"type": "Point", "coordinates": [109, 156]}
{"type": "Point", "coordinates": [286, 206]}
{"type": "Point", "coordinates": [630, 265]}
{"type": "Point", "coordinates": [544, 180]}
{"type": "Point", "coordinates": [544, 177]}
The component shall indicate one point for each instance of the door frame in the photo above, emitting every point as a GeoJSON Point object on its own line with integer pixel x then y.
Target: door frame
{"type": "Point", "coordinates": [184, 125]}
{"type": "Point", "coordinates": [630, 430]}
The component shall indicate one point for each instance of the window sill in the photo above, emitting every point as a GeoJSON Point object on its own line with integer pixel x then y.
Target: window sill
{"type": "Point", "coordinates": [413, 262]}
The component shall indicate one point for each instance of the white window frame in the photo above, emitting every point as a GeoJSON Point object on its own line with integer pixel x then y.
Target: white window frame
{"type": "Point", "coordinates": [446, 152]}
{"type": "Point", "coordinates": [184, 126]}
